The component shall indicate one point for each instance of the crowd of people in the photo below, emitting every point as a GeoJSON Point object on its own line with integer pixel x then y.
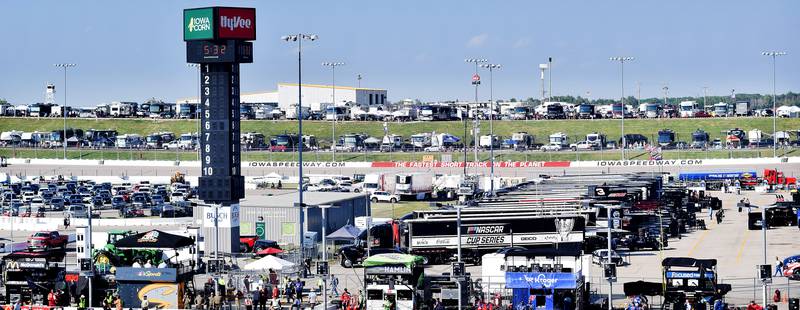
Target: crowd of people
{"type": "Point", "coordinates": [270, 292]}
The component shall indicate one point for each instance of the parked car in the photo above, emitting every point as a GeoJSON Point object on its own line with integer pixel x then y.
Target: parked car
{"type": "Point", "coordinates": [600, 257]}
{"type": "Point", "coordinates": [170, 210]}
{"type": "Point", "coordinates": [46, 240]}
{"type": "Point", "coordinates": [791, 267]}
{"type": "Point", "coordinates": [384, 196]}
{"type": "Point", "coordinates": [157, 199]}
{"type": "Point", "coordinates": [324, 185]}
{"type": "Point", "coordinates": [37, 202]}
{"type": "Point", "coordinates": [76, 211]}
{"type": "Point", "coordinates": [582, 146]}
{"type": "Point", "coordinates": [129, 211]}
{"type": "Point", "coordinates": [97, 201]}
{"type": "Point", "coordinates": [118, 202]}
{"type": "Point", "coordinates": [140, 202]}
{"type": "Point", "coordinates": [57, 204]}
{"type": "Point", "coordinates": [177, 196]}
{"type": "Point", "coordinates": [550, 148]}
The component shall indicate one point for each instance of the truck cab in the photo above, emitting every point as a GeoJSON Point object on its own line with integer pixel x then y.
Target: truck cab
{"type": "Point", "coordinates": [557, 142]}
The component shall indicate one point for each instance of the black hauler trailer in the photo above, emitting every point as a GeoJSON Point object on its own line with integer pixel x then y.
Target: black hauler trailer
{"type": "Point", "coordinates": [434, 236]}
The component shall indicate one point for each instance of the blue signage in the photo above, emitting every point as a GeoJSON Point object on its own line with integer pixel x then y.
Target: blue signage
{"type": "Point", "coordinates": [541, 280]}
{"type": "Point", "coordinates": [687, 275]}
{"type": "Point", "coordinates": [717, 175]}
{"type": "Point", "coordinates": [147, 274]}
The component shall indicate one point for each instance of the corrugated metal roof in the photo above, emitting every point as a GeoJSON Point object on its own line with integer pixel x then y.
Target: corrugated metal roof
{"type": "Point", "coordinates": [289, 198]}
{"type": "Point", "coordinates": [329, 86]}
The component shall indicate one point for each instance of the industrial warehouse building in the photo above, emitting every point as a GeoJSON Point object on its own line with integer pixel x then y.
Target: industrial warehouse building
{"type": "Point", "coordinates": [281, 217]}
{"type": "Point", "coordinates": [315, 97]}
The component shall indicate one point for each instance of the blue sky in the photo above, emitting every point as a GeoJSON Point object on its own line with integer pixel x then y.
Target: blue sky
{"type": "Point", "coordinates": [133, 50]}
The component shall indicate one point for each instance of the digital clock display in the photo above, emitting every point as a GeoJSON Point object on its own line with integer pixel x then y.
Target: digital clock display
{"type": "Point", "coordinates": [228, 51]}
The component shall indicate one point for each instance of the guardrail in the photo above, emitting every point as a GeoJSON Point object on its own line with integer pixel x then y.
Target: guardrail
{"type": "Point", "coordinates": [52, 223]}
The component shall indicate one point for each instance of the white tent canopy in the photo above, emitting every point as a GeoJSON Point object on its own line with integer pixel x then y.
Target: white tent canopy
{"type": "Point", "coordinates": [270, 262]}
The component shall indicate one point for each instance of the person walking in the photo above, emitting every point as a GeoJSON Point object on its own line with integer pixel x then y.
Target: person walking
{"type": "Point", "coordinates": [117, 303]}
{"type": "Point", "coordinates": [145, 303]}
{"type": "Point", "coordinates": [82, 302]}
{"type": "Point", "coordinates": [248, 302]}
{"type": "Point", "coordinates": [216, 301]}
{"type": "Point", "coordinates": [254, 297]}
{"type": "Point", "coordinates": [312, 298]}
{"type": "Point", "coordinates": [275, 304]}
{"type": "Point", "coordinates": [334, 286]}
{"type": "Point", "coordinates": [51, 299]}
{"type": "Point", "coordinates": [298, 289]}
{"type": "Point", "coordinates": [438, 305]}
{"type": "Point", "coordinates": [778, 267]}
{"type": "Point", "coordinates": [108, 301]}
{"type": "Point", "coordinates": [198, 301]}
{"type": "Point", "coordinates": [345, 297]}
{"type": "Point", "coordinates": [276, 293]}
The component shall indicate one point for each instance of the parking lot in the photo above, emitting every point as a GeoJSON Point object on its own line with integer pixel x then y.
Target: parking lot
{"type": "Point", "coordinates": [737, 250]}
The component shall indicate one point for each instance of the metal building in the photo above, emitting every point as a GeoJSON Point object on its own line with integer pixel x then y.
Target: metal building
{"type": "Point", "coordinates": [281, 217]}
{"type": "Point", "coordinates": [316, 97]}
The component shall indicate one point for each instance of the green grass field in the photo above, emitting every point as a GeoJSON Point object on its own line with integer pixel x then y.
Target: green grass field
{"type": "Point", "coordinates": [399, 209]}
{"type": "Point", "coordinates": [541, 129]}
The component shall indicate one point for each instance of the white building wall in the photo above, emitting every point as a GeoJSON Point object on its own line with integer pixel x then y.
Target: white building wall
{"type": "Point", "coordinates": [316, 97]}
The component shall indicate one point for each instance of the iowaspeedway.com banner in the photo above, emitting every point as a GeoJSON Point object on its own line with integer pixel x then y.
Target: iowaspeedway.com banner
{"type": "Point", "coordinates": [423, 164]}
{"type": "Point", "coordinates": [439, 164]}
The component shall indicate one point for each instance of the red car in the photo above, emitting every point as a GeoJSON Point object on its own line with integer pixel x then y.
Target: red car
{"type": "Point", "coordinates": [46, 240]}
{"type": "Point", "coordinates": [246, 243]}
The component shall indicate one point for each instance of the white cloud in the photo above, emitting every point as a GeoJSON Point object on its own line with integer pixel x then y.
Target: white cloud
{"type": "Point", "coordinates": [522, 42]}
{"type": "Point", "coordinates": [477, 40]}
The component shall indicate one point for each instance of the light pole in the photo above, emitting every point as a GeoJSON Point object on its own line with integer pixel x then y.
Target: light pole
{"type": "Point", "coordinates": [491, 68]}
{"type": "Point", "coordinates": [622, 60]}
{"type": "Point", "coordinates": [359, 81]}
{"type": "Point", "coordinates": [333, 66]}
{"type": "Point", "coordinates": [299, 39]}
{"type": "Point", "coordinates": [197, 108]}
{"type": "Point", "coordinates": [543, 68]}
{"type": "Point", "coordinates": [774, 55]}
{"type": "Point", "coordinates": [764, 244]}
{"type": "Point", "coordinates": [324, 211]}
{"type": "Point", "coordinates": [476, 80]}
{"type": "Point", "coordinates": [550, 78]}
{"type": "Point", "coordinates": [64, 109]}
{"type": "Point", "coordinates": [609, 210]}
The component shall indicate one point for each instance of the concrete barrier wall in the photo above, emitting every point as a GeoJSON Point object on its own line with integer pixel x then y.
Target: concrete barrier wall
{"type": "Point", "coordinates": [51, 223]}
{"type": "Point", "coordinates": [499, 164]}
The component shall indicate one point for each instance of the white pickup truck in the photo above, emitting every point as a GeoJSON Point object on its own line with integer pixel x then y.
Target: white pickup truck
{"type": "Point", "coordinates": [582, 146]}
{"type": "Point", "coordinates": [552, 147]}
